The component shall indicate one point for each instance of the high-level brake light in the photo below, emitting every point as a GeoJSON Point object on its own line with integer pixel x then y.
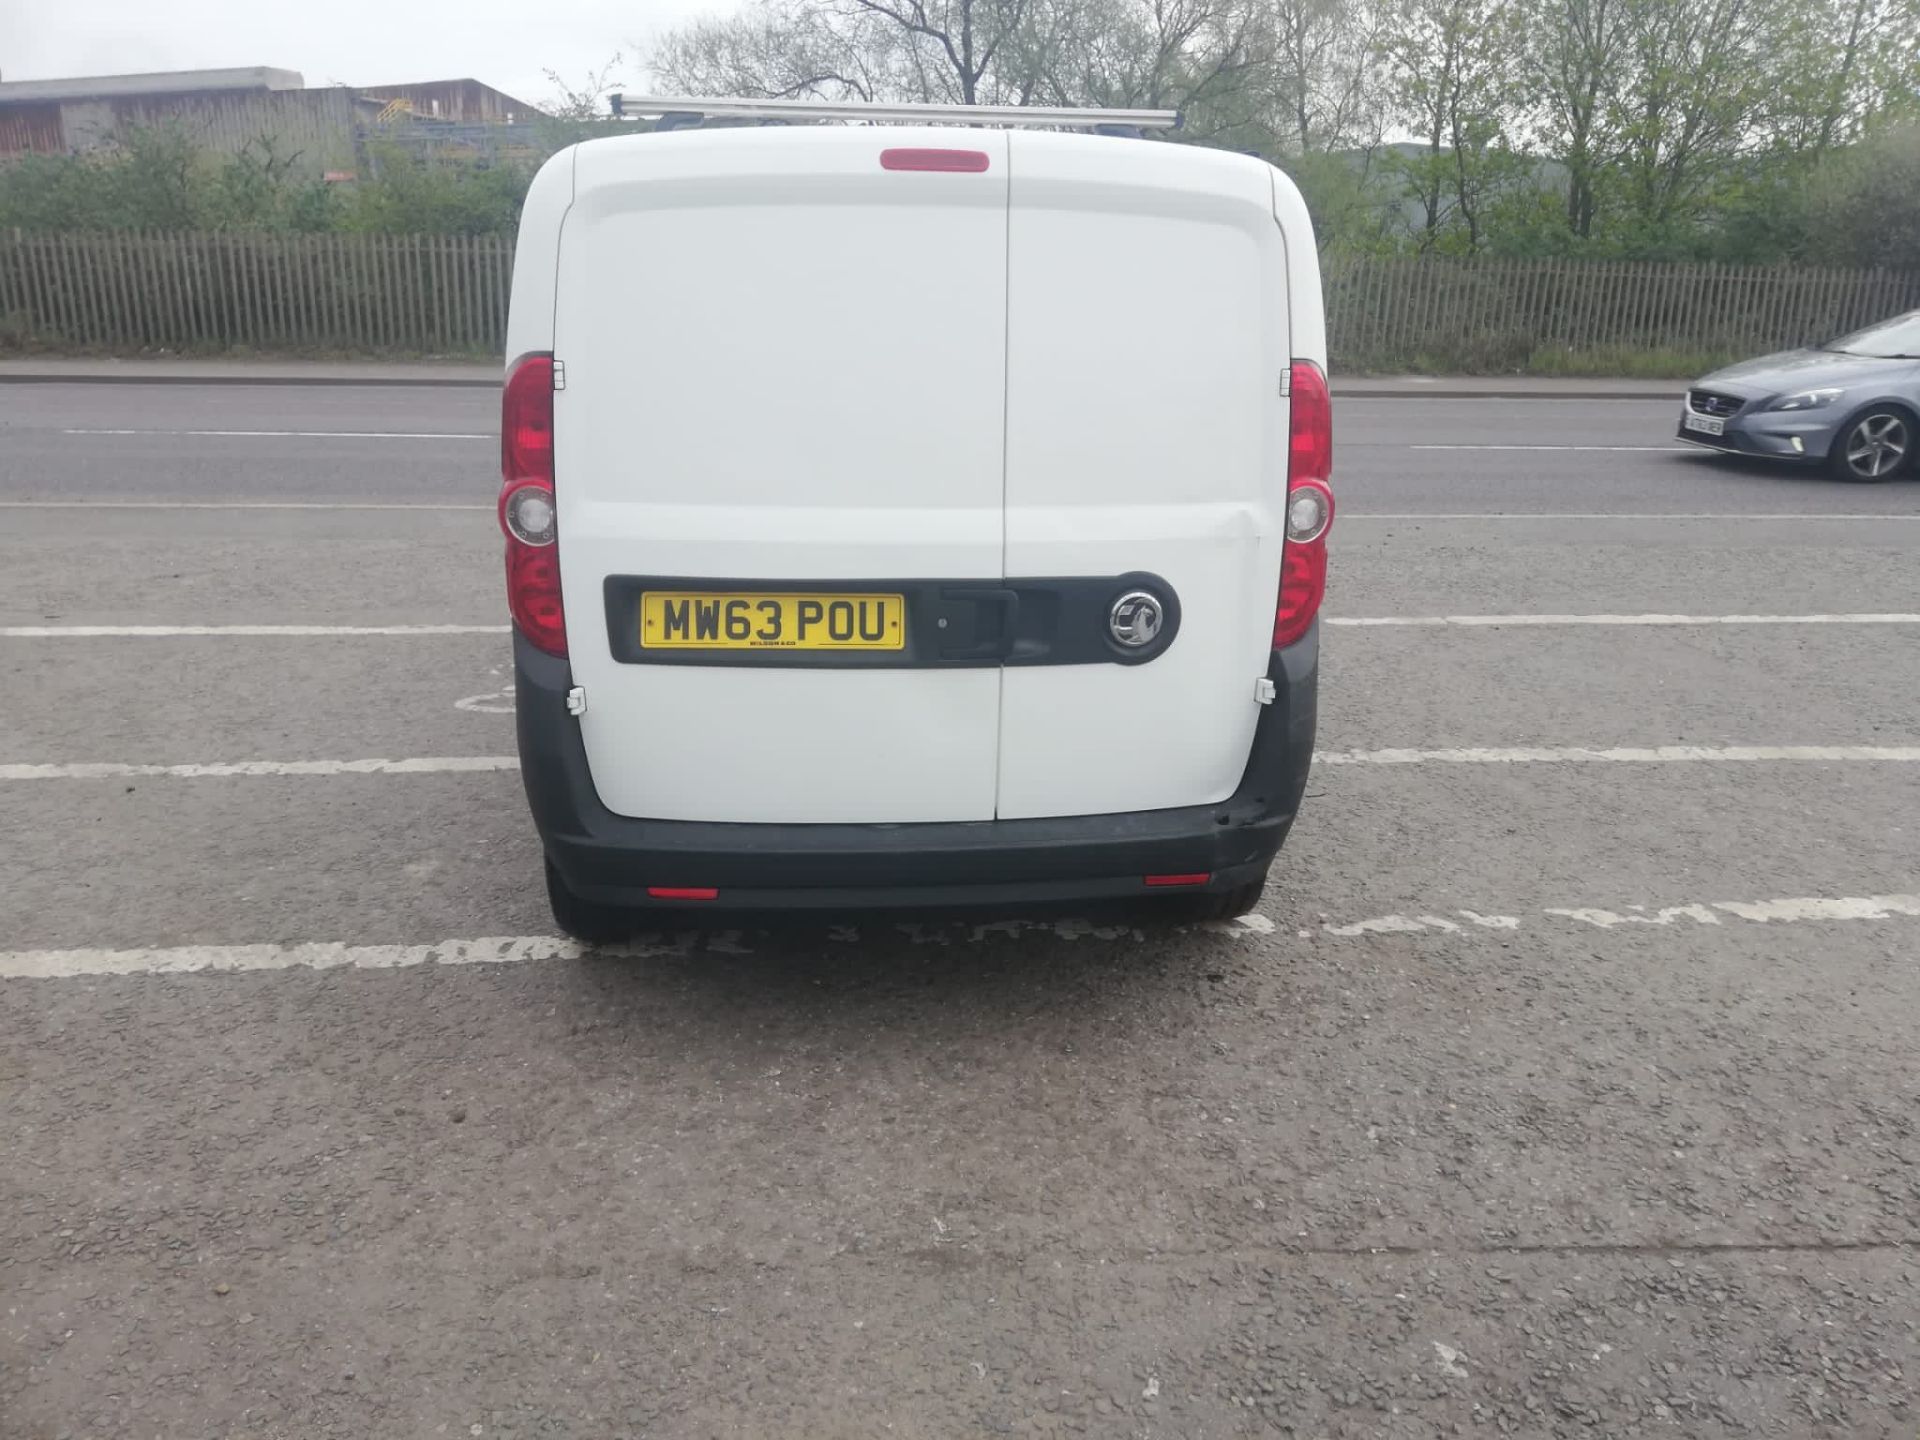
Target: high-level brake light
{"type": "Point", "coordinates": [947, 162]}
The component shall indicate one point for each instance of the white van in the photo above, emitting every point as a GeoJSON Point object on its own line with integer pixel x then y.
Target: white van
{"type": "Point", "coordinates": [912, 515]}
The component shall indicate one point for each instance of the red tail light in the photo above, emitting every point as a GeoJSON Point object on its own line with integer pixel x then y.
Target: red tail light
{"type": "Point", "coordinates": [526, 465]}
{"type": "Point", "coordinates": [1303, 560]}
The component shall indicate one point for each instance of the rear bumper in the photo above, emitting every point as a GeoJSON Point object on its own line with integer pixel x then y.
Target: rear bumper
{"type": "Point", "coordinates": [614, 859]}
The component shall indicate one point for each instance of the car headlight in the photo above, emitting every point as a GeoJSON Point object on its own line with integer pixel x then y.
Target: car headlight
{"type": "Point", "coordinates": [1807, 400]}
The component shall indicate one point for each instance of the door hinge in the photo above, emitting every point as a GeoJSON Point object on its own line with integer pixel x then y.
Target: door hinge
{"type": "Point", "coordinates": [559, 374]}
{"type": "Point", "coordinates": [1286, 383]}
{"type": "Point", "coordinates": [1264, 691]}
{"type": "Point", "coordinates": [576, 701]}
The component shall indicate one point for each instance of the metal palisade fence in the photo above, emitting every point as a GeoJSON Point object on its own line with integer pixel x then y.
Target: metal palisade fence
{"type": "Point", "coordinates": [127, 291]}
{"type": "Point", "coordinates": [1508, 315]}
{"type": "Point", "coordinates": [447, 295]}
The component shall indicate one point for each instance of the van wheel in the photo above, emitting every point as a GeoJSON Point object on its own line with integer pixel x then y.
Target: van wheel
{"type": "Point", "coordinates": [1875, 446]}
{"type": "Point", "coordinates": [1228, 904]}
{"type": "Point", "coordinates": [587, 921]}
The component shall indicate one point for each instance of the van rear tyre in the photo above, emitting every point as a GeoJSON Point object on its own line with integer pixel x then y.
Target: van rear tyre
{"type": "Point", "coordinates": [1228, 904]}
{"type": "Point", "coordinates": [587, 921]}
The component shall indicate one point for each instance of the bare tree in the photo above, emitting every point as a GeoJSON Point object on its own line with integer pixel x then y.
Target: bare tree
{"type": "Point", "coordinates": [1325, 75]}
{"type": "Point", "coordinates": [588, 100]}
{"type": "Point", "coordinates": [1113, 52]}
{"type": "Point", "coordinates": [776, 50]}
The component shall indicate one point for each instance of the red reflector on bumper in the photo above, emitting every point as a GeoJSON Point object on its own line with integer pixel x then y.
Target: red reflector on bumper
{"type": "Point", "coordinates": [1158, 880]}
{"type": "Point", "coordinates": [682, 892]}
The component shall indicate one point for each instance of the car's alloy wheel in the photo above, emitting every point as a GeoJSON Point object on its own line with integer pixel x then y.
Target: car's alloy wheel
{"type": "Point", "coordinates": [1877, 446]}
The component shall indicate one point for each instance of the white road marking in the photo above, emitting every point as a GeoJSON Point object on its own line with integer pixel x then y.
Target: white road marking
{"type": "Point", "coordinates": [1639, 915]}
{"type": "Point", "coordinates": [108, 770]}
{"type": "Point", "coordinates": [307, 434]}
{"type": "Point", "coordinates": [495, 702]}
{"type": "Point", "coordinates": [1608, 449]}
{"type": "Point", "coordinates": [226, 505]}
{"type": "Point", "coordinates": [515, 949]}
{"type": "Point", "coordinates": [1630, 755]}
{"type": "Point", "coordinates": [1491, 922]}
{"type": "Point", "coordinates": [1349, 516]}
{"type": "Point", "coordinates": [1761, 912]}
{"type": "Point", "coordinates": [463, 764]}
{"type": "Point", "coordinates": [1869, 907]}
{"type": "Point", "coordinates": [108, 632]}
{"type": "Point", "coordinates": [189, 959]}
{"type": "Point", "coordinates": [1380, 925]}
{"type": "Point", "coordinates": [1493, 621]}
{"type": "Point", "coordinates": [1388, 401]}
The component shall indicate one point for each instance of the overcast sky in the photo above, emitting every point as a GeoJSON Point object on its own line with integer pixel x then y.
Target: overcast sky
{"type": "Point", "coordinates": [506, 43]}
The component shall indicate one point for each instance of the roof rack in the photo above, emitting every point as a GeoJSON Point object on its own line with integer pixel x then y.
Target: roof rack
{"type": "Point", "coordinates": [686, 111]}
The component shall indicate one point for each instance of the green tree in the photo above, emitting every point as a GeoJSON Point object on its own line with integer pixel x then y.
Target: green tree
{"type": "Point", "coordinates": [1574, 63]}
{"type": "Point", "coordinates": [1691, 103]}
{"type": "Point", "coordinates": [1453, 67]}
{"type": "Point", "coordinates": [1862, 207]}
{"type": "Point", "coordinates": [1855, 65]}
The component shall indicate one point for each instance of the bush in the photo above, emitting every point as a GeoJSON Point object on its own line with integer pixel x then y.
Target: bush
{"type": "Point", "coordinates": [162, 181]}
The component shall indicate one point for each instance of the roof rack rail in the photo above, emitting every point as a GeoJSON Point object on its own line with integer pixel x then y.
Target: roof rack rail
{"type": "Point", "coordinates": [692, 111]}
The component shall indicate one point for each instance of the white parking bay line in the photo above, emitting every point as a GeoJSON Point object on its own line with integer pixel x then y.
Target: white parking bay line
{"type": "Point", "coordinates": [308, 434]}
{"type": "Point", "coordinates": [1607, 449]}
{"type": "Point", "coordinates": [1626, 755]}
{"type": "Point", "coordinates": [189, 959]}
{"type": "Point", "coordinates": [1513, 755]}
{"type": "Point", "coordinates": [1496, 621]}
{"type": "Point", "coordinates": [104, 632]}
{"type": "Point", "coordinates": [514, 949]}
{"type": "Point", "coordinates": [113, 770]}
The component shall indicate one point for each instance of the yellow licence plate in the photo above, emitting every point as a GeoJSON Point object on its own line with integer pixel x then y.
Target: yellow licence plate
{"type": "Point", "coordinates": [704, 620]}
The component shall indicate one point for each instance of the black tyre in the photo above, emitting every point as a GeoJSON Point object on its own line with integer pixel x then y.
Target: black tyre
{"type": "Point", "coordinates": [587, 921]}
{"type": "Point", "coordinates": [1228, 904]}
{"type": "Point", "coordinates": [1876, 445]}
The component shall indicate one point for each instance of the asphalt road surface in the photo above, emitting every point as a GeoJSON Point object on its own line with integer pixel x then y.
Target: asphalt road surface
{"type": "Point", "coordinates": [1564, 1082]}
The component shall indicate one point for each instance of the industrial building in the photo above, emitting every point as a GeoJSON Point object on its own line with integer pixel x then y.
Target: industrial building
{"type": "Point", "coordinates": [323, 130]}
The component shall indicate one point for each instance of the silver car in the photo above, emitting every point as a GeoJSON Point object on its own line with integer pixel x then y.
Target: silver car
{"type": "Point", "coordinates": [1852, 404]}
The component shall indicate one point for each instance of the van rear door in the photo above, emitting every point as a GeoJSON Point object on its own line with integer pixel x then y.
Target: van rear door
{"type": "Point", "coordinates": [784, 370]}
{"type": "Point", "coordinates": [1146, 434]}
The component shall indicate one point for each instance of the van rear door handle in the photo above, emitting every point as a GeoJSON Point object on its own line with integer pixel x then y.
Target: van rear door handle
{"type": "Point", "coordinates": [994, 611]}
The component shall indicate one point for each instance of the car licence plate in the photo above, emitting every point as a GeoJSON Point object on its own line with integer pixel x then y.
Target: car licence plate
{"type": "Point", "coordinates": [1704, 424]}
{"type": "Point", "coordinates": [707, 620]}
